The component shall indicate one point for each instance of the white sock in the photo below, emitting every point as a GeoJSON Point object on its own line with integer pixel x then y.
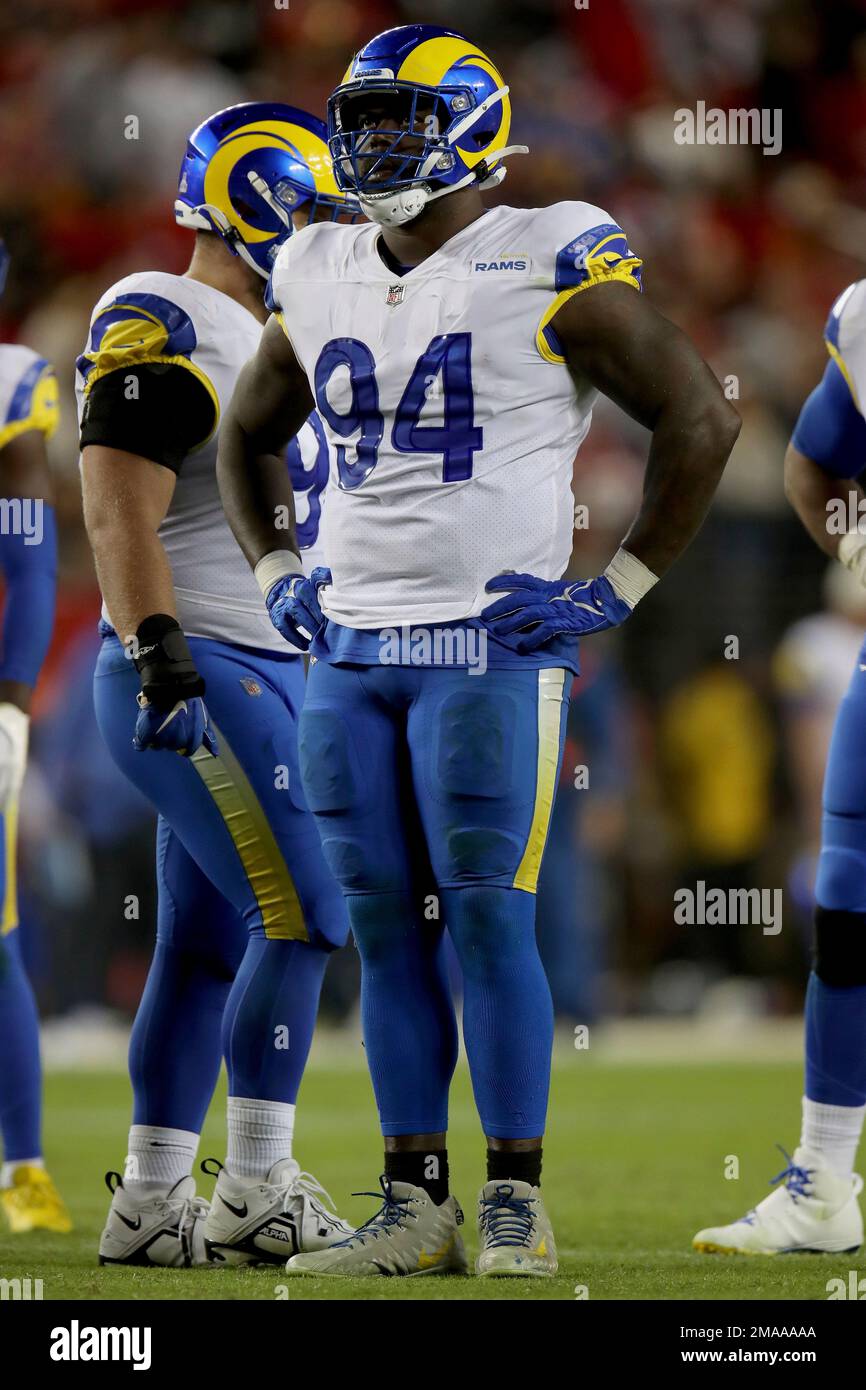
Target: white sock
{"type": "Point", "coordinates": [260, 1134]}
{"type": "Point", "coordinates": [10, 1165]}
{"type": "Point", "coordinates": [158, 1157]}
{"type": "Point", "coordinates": [834, 1132]}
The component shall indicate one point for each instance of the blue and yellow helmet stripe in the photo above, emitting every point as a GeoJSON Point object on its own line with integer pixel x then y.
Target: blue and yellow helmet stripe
{"type": "Point", "coordinates": [471, 99]}
{"type": "Point", "coordinates": [248, 168]}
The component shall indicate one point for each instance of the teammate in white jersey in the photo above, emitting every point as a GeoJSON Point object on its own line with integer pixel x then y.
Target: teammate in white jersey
{"type": "Point", "coordinates": [248, 912]}
{"type": "Point", "coordinates": [814, 1206]}
{"type": "Point", "coordinates": [28, 562]}
{"type": "Point", "coordinates": [454, 355]}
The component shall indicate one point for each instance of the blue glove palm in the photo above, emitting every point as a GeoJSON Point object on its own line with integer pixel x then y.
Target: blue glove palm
{"type": "Point", "coordinates": [182, 729]}
{"type": "Point", "coordinates": [293, 605]}
{"type": "Point", "coordinates": [535, 610]}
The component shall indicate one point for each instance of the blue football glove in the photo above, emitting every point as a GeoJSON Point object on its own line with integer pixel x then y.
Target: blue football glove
{"type": "Point", "coordinates": [293, 603]}
{"type": "Point", "coordinates": [184, 728]}
{"type": "Point", "coordinates": [172, 714]}
{"type": "Point", "coordinates": [535, 610]}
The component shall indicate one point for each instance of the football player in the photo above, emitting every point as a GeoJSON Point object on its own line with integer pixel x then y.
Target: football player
{"type": "Point", "coordinates": [454, 354]}
{"type": "Point", "coordinates": [28, 560]}
{"type": "Point", "coordinates": [814, 1206]}
{"type": "Point", "coordinates": [248, 912]}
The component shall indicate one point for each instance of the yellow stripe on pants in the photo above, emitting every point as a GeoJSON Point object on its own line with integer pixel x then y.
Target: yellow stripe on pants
{"type": "Point", "coordinates": [254, 841]}
{"type": "Point", "coordinates": [551, 687]}
{"type": "Point", "coordinates": [9, 920]}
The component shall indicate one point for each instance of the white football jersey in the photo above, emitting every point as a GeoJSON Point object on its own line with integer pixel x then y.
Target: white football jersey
{"type": "Point", "coordinates": [28, 393]}
{"type": "Point", "coordinates": [447, 403]}
{"type": "Point", "coordinates": [155, 317]}
{"type": "Point", "coordinates": [845, 336]}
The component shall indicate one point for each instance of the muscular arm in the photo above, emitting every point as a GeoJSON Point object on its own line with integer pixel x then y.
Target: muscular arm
{"type": "Point", "coordinates": [825, 455]}
{"type": "Point", "coordinates": [271, 401]}
{"type": "Point", "coordinates": [24, 473]}
{"type": "Point", "coordinates": [614, 338]}
{"type": "Point", "coordinates": [810, 489]}
{"type": "Point", "coordinates": [125, 499]}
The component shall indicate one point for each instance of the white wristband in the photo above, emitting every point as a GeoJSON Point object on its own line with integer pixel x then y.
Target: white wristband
{"type": "Point", "coordinates": [629, 577]}
{"type": "Point", "coordinates": [274, 566]}
{"type": "Point", "coordinates": [851, 551]}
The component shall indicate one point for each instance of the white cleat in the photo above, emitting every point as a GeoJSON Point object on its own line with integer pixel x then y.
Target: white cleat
{"type": "Point", "coordinates": [515, 1232]}
{"type": "Point", "coordinates": [409, 1236]}
{"type": "Point", "coordinates": [263, 1222]}
{"type": "Point", "coordinates": [164, 1230]}
{"type": "Point", "coordinates": [814, 1211]}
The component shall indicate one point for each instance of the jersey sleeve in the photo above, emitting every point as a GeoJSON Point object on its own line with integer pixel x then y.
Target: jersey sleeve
{"type": "Point", "coordinates": [32, 402]}
{"type": "Point", "coordinates": [830, 429]}
{"type": "Point", "coordinates": [582, 246]}
{"type": "Point", "coordinates": [153, 409]}
{"type": "Point", "coordinates": [137, 337]}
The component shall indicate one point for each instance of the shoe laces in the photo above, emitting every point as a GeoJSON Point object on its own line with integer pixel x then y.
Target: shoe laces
{"type": "Point", "coordinates": [392, 1214]}
{"type": "Point", "coordinates": [506, 1219]}
{"type": "Point", "coordinates": [797, 1180]}
{"type": "Point", "coordinates": [304, 1184]}
{"type": "Point", "coordinates": [184, 1209]}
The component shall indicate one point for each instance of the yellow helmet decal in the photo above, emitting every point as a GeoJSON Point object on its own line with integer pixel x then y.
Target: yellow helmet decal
{"type": "Point", "coordinates": [265, 135]}
{"type": "Point", "coordinates": [428, 63]}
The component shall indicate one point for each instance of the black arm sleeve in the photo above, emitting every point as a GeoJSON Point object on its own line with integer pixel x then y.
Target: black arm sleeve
{"type": "Point", "coordinates": [165, 415]}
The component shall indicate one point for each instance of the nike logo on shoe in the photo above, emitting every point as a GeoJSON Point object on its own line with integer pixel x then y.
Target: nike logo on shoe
{"type": "Point", "coordinates": [133, 1225]}
{"type": "Point", "coordinates": [237, 1211]}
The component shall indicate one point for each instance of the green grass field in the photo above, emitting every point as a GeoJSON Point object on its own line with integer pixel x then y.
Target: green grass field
{"type": "Point", "coordinates": [633, 1166]}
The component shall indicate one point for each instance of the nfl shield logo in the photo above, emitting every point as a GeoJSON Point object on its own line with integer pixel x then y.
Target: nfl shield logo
{"type": "Point", "coordinates": [250, 686]}
{"type": "Point", "coordinates": [395, 294]}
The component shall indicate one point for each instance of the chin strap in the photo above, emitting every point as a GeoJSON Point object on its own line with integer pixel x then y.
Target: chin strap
{"type": "Point", "coordinates": [395, 209]}
{"type": "Point", "coordinates": [207, 218]}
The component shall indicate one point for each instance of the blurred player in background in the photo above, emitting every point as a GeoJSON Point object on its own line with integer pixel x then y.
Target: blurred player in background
{"type": "Point", "coordinates": [816, 1208]}
{"type": "Point", "coordinates": [28, 560]}
{"type": "Point", "coordinates": [454, 354]}
{"type": "Point", "coordinates": [248, 912]}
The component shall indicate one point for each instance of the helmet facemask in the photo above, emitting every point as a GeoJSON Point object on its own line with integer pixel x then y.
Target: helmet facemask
{"type": "Point", "coordinates": [393, 144]}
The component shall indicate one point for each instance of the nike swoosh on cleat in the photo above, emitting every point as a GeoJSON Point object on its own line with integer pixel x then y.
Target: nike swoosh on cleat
{"type": "Point", "coordinates": [238, 1211]}
{"type": "Point", "coordinates": [426, 1261]}
{"type": "Point", "coordinates": [133, 1225]}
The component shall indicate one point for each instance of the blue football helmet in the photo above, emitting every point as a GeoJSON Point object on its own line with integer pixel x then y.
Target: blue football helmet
{"type": "Point", "coordinates": [248, 168]}
{"type": "Point", "coordinates": [420, 113]}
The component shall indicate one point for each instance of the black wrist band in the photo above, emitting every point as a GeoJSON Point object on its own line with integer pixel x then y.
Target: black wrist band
{"type": "Point", "coordinates": [163, 660]}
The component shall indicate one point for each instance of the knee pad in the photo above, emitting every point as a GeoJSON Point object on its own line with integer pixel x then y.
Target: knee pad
{"type": "Point", "coordinates": [840, 947]}
{"type": "Point", "coordinates": [481, 854]}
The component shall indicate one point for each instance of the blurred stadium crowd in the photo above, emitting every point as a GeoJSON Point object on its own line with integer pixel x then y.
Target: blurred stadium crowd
{"type": "Point", "coordinates": [699, 766]}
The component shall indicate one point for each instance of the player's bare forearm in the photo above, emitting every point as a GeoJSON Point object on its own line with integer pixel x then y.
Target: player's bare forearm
{"type": "Point", "coordinates": [270, 404]}
{"type": "Point", "coordinates": [125, 500]}
{"type": "Point", "coordinates": [615, 339]}
{"type": "Point", "coordinates": [811, 491]}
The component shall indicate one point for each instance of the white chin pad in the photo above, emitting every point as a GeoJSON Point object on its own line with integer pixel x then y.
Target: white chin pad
{"type": "Point", "coordinates": [393, 209]}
